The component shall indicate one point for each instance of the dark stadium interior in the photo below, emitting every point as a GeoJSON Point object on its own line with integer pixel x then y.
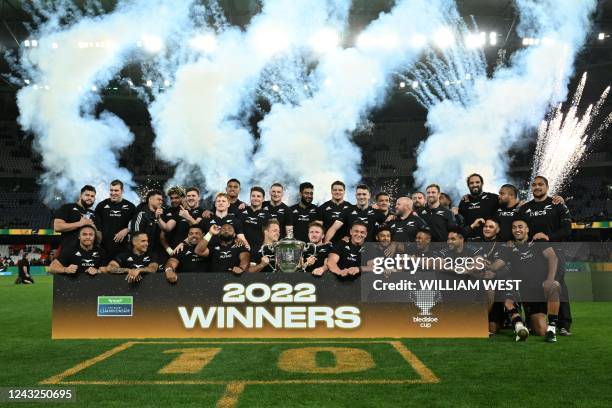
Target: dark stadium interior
{"type": "Point", "coordinates": [388, 146]}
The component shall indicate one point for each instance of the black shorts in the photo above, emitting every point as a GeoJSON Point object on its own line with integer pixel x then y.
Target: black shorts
{"type": "Point", "coordinates": [497, 313]}
{"type": "Point", "coordinates": [532, 308]}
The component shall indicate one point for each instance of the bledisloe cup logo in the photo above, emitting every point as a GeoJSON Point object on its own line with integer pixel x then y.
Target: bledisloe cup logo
{"type": "Point", "coordinates": [425, 300]}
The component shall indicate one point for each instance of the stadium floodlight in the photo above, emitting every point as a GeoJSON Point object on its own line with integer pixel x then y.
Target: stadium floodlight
{"type": "Point", "coordinates": [269, 40]}
{"type": "Point", "coordinates": [601, 36]}
{"type": "Point", "coordinates": [26, 81]}
{"type": "Point", "coordinates": [54, 45]}
{"type": "Point", "coordinates": [94, 88]}
{"type": "Point", "coordinates": [166, 82]}
{"type": "Point", "coordinates": [443, 38]}
{"type": "Point", "coordinates": [152, 43]}
{"type": "Point", "coordinates": [275, 88]}
{"type": "Point", "coordinates": [476, 40]}
{"type": "Point", "coordinates": [26, 43]}
{"type": "Point", "coordinates": [149, 83]}
{"type": "Point", "coordinates": [492, 38]}
{"type": "Point", "coordinates": [415, 84]}
{"type": "Point", "coordinates": [325, 40]}
{"type": "Point", "coordinates": [418, 41]}
{"type": "Point", "coordinates": [402, 84]}
{"type": "Point", "coordinates": [204, 42]}
{"type": "Point", "coordinates": [34, 43]}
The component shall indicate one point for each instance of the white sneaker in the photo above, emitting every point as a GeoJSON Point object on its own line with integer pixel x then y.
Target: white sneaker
{"type": "Point", "coordinates": [521, 332]}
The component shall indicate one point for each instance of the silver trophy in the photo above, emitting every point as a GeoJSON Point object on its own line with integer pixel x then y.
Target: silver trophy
{"type": "Point", "coordinates": [425, 300]}
{"type": "Point", "coordinates": [288, 253]}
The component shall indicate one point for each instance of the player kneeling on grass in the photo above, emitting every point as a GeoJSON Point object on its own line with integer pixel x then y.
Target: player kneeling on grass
{"type": "Point", "coordinates": [314, 260]}
{"type": "Point", "coordinates": [345, 258]}
{"type": "Point", "coordinates": [187, 260]}
{"type": "Point", "coordinates": [222, 249]}
{"type": "Point", "coordinates": [135, 262]}
{"type": "Point", "coordinates": [85, 257]}
{"type": "Point", "coordinates": [535, 264]}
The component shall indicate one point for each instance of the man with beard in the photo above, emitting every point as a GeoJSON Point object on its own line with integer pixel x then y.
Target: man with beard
{"type": "Point", "coordinates": [189, 213]}
{"type": "Point", "coordinates": [361, 211]}
{"type": "Point", "coordinates": [148, 220]}
{"type": "Point", "coordinates": [232, 189]}
{"type": "Point", "coordinates": [418, 201]}
{"type": "Point", "coordinates": [187, 260]}
{"type": "Point", "coordinates": [114, 215]}
{"type": "Point", "coordinates": [224, 254]}
{"type": "Point", "coordinates": [550, 221]}
{"type": "Point", "coordinates": [406, 223]}
{"type": "Point", "coordinates": [507, 211]}
{"type": "Point", "coordinates": [137, 261]}
{"type": "Point", "coordinates": [303, 213]}
{"type": "Point", "coordinates": [276, 208]}
{"type": "Point", "coordinates": [345, 258]}
{"type": "Point", "coordinates": [264, 259]}
{"type": "Point", "coordinates": [253, 218]}
{"type": "Point", "coordinates": [314, 260]}
{"type": "Point", "coordinates": [222, 216]}
{"type": "Point", "coordinates": [536, 266]}
{"type": "Point", "coordinates": [335, 210]}
{"type": "Point", "coordinates": [477, 204]}
{"type": "Point", "coordinates": [85, 257]}
{"type": "Point", "coordinates": [439, 219]}
{"type": "Point", "coordinates": [168, 239]}
{"type": "Point", "coordinates": [69, 218]}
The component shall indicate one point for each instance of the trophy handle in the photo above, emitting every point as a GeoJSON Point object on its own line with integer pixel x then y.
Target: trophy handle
{"type": "Point", "coordinates": [272, 248]}
{"type": "Point", "coordinates": [314, 252]}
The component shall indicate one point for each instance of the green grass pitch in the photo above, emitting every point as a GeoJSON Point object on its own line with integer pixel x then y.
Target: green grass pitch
{"type": "Point", "coordinates": [574, 372]}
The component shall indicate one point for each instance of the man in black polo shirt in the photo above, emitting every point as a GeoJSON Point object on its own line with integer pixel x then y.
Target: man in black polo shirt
{"type": "Point", "coordinates": [136, 262]}
{"type": "Point", "coordinates": [232, 189]}
{"type": "Point", "coordinates": [168, 240]}
{"type": "Point", "coordinates": [85, 257]}
{"type": "Point", "coordinates": [406, 224]}
{"type": "Point", "coordinates": [439, 219]}
{"type": "Point", "coordinates": [345, 257]}
{"type": "Point", "coordinates": [222, 216]}
{"type": "Point", "coordinates": [190, 213]}
{"type": "Point", "coordinates": [550, 220]}
{"type": "Point", "coordinates": [69, 218]}
{"type": "Point", "coordinates": [361, 211]}
{"type": "Point", "coordinates": [264, 258]}
{"type": "Point", "coordinates": [535, 264]}
{"type": "Point", "coordinates": [187, 260]}
{"type": "Point", "coordinates": [276, 208]}
{"type": "Point", "coordinates": [507, 211]}
{"type": "Point", "coordinates": [314, 260]}
{"type": "Point", "coordinates": [114, 215]}
{"type": "Point", "coordinates": [223, 252]}
{"type": "Point", "coordinates": [477, 204]}
{"type": "Point", "coordinates": [303, 213]}
{"type": "Point", "coordinates": [335, 210]}
{"type": "Point", "coordinates": [253, 218]}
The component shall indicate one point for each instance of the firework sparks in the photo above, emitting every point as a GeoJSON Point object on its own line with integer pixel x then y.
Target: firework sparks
{"type": "Point", "coordinates": [563, 140]}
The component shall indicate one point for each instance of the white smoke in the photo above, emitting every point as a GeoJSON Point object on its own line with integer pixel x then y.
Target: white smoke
{"type": "Point", "coordinates": [477, 137]}
{"type": "Point", "coordinates": [311, 140]}
{"type": "Point", "coordinates": [70, 63]}
{"type": "Point", "coordinates": [196, 122]}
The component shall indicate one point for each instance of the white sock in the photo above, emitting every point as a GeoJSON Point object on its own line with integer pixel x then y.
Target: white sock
{"type": "Point", "coordinates": [552, 329]}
